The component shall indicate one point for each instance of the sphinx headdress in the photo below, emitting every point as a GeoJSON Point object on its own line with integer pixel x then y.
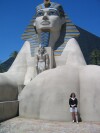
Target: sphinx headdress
{"type": "Point", "coordinates": [69, 30]}
{"type": "Point", "coordinates": [51, 5]}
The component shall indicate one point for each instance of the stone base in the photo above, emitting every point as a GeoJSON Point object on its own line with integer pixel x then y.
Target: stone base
{"type": "Point", "coordinates": [22, 125]}
{"type": "Point", "coordinates": [8, 109]}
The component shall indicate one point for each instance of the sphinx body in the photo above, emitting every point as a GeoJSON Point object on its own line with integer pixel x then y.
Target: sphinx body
{"type": "Point", "coordinates": [46, 95]}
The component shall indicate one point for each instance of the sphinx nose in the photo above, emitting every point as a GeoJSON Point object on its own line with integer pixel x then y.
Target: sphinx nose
{"type": "Point", "coordinates": [45, 17]}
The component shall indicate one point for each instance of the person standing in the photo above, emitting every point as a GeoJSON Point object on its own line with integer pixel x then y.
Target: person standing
{"type": "Point", "coordinates": [73, 102]}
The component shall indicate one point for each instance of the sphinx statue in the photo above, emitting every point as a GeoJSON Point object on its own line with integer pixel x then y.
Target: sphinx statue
{"type": "Point", "coordinates": [46, 95]}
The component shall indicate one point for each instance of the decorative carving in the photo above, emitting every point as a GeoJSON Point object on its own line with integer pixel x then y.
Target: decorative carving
{"type": "Point", "coordinates": [42, 60]}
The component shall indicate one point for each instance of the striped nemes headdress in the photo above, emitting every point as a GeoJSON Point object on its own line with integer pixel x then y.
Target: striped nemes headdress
{"type": "Point", "coordinates": [51, 5]}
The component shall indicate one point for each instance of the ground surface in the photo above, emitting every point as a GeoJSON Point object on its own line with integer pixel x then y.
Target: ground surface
{"type": "Point", "coordinates": [22, 125]}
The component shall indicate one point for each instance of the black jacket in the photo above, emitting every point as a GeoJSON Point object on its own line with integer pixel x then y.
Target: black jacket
{"type": "Point", "coordinates": [73, 102]}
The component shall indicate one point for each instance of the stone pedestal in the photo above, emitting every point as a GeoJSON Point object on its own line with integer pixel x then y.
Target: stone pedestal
{"type": "Point", "coordinates": [8, 110]}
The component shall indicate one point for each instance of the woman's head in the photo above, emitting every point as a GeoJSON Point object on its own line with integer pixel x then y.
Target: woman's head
{"type": "Point", "coordinates": [72, 95]}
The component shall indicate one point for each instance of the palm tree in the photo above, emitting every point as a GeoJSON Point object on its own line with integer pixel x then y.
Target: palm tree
{"type": "Point", "coordinates": [1, 68]}
{"type": "Point", "coordinates": [14, 54]}
{"type": "Point", "coordinates": [4, 66]}
{"type": "Point", "coordinates": [95, 57]}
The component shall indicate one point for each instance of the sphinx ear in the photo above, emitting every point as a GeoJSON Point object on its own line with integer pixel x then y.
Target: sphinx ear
{"type": "Point", "coordinates": [63, 20]}
{"type": "Point", "coordinates": [34, 24]}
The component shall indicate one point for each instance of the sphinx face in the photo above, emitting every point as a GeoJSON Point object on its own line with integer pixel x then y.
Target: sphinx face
{"type": "Point", "coordinates": [48, 19]}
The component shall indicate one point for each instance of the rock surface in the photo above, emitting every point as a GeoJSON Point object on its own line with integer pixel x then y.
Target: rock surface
{"type": "Point", "coordinates": [22, 125]}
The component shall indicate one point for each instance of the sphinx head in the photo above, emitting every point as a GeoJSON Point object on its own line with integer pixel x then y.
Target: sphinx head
{"type": "Point", "coordinates": [49, 17]}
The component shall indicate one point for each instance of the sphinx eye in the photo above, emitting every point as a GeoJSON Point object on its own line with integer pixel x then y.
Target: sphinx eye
{"type": "Point", "coordinates": [52, 13]}
{"type": "Point", "coordinates": [39, 14]}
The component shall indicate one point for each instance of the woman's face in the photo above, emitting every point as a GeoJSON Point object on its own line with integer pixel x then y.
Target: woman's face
{"type": "Point", "coordinates": [73, 95]}
{"type": "Point", "coordinates": [48, 19]}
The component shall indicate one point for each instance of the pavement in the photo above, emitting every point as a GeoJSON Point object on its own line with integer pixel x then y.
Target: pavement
{"type": "Point", "coordinates": [24, 125]}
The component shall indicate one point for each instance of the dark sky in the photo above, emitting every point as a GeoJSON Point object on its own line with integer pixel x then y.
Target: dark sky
{"type": "Point", "coordinates": [15, 15]}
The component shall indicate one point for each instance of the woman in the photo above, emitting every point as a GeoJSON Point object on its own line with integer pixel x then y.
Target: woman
{"type": "Point", "coordinates": [73, 107]}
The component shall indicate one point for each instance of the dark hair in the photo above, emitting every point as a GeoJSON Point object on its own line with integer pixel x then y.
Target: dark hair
{"type": "Point", "coordinates": [72, 94]}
